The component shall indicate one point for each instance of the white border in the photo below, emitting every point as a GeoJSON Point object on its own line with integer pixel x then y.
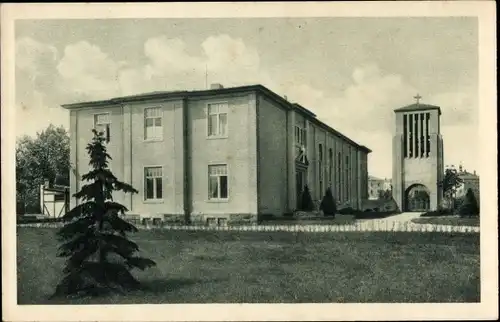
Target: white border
{"type": "Point", "coordinates": [487, 309]}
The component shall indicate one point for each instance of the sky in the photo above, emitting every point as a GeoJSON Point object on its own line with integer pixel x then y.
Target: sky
{"type": "Point", "coordinates": [351, 72]}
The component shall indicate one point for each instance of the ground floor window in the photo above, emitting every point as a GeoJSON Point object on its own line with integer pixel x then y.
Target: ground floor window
{"type": "Point", "coordinates": [153, 183]}
{"type": "Point", "coordinates": [217, 182]}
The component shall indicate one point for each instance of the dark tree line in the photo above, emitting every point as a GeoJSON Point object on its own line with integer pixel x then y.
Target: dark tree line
{"type": "Point", "coordinates": [40, 158]}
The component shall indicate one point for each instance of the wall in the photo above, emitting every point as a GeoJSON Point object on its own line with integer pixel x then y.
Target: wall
{"type": "Point", "coordinates": [272, 154]}
{"type": "Point", "coordinates": [81, 125]}
{"type": "Point", "coordinates": [350, 183]}
{"type": "Point", "coordinates": [410, 171]}
{"type": "Point", "coordinates": [167, 153]}
{"type": "Point", "coordinates": [238, 151]}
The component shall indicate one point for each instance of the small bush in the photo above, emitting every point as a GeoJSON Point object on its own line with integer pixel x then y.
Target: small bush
{"type": "Point", "coordinates": [35, 220]}
{"type": "Point", "coordinates": [438, 213]}
{"type": "Point", "coordinates": [470, 206]}
{"type": "Point", "coordinates": [328, 204]}
{"type": "Point", "coordinates": [370, 214]}
{"type": "Point", "coordinates": [306, 203]}
{"type": "Point", "coordinates": [348, 211]}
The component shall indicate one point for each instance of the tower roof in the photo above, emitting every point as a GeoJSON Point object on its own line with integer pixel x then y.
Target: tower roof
{"type": "Point", "coordinates": [418, 107]}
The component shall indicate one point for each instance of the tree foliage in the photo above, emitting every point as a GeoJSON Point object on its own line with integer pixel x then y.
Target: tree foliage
{"type": "Point", "coordinates": [450, 184]}
{"type": "Point", "coordinates": [45, 157]}
{"type": "Point", "coordinates": [470, 205]}
{"type": "Point", "coordinates": [384, 194]}
{"type": "Point", "coordinates": [306, 202]}
{"type": "Point", "coordinates": [328, 205]}
{"type": "Point", "coordinates": [99, 255]}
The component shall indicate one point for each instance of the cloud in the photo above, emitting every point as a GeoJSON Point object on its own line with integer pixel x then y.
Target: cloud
{"type": "Point", "coordinates": [222, 59]}
{"type": "Point", "coordinates": [86, 70]}
{"type": "Point", "coordinates": [33, 57]}
{"type": "Point", "coordinates": [458, 107]}
{"type": "Point", "coordinates": [363, 111]}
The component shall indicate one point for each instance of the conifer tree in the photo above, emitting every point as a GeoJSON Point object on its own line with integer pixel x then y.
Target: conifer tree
{"type": "Point", "coordinates": [328, 204]}
{"type": "Point", "coordinates": [306, 203]}
{"type": "Point", "coordinates": [470, 206]}
{"type": "Point", "coordinates": [94, 239]}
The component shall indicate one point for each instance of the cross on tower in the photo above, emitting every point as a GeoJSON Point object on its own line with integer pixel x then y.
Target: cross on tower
{"type": "Point", "coordinates": [417, 97]}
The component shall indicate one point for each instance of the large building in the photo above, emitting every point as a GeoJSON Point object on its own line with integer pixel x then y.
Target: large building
{"type": "Point", "coordinates": [417, 157]}
{"type": "Point", "coordinates": [221, 154]}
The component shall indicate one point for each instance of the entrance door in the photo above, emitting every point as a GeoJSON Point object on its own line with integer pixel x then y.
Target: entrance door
{"type": "Point", "coordinates": [417, 198]}
{"type": "Point", "coordinates": [299, 181]}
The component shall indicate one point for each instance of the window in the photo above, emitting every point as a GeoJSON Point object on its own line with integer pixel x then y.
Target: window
{"type": "Point", "coordinates": [421, 136]}
{"type": "Point", "coordinates": [320, 168]}
{"type": "Point", "coordinates": [217, 120]}
{"type": "Point", "coordinates": [101, 121]}
{"type": "Point", "coordinates": [217, 182]}
{"type": "Point", "coordinates": [300, 136]}
{"type": "Point", "coordinates": [330, 165]}
{"type": "Point", "coordinates": [405, 135]}
{"type": "Point", "coordinates": [348, 183]}
{"type": "Point", "coordinates": [339, 173]}
{"type": "Point", "coordinates": [427, 136]}
{"type": "Point", "coordinates": [411, 135]}
{"type": "Point", "coordinates": [153, 127]}
{"type": "Point", "coordinates": [153, 183]}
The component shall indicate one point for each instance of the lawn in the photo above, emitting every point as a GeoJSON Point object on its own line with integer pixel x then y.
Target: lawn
{"type": "Point", "coordinates": [313, 220]}
{"type": "Point", "coordinates": [252, 267]}
{"type": "Point", "coordinates": [448, 220]}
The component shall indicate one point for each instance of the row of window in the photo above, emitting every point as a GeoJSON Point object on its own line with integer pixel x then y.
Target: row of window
{"type": "Point", "coordinates": [341, 182]}
{"type": "Point", "coordinates": [153, 121]}
{"type": "Point", "coordinates": [218, 188]}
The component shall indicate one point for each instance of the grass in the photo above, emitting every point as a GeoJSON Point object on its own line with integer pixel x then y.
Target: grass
{"type": "Point", "coordinates": [448, 220]}
{"type": "Point", "coordinates": [319, 220]}
{"type": "Point", "coordinates": [278, 267]}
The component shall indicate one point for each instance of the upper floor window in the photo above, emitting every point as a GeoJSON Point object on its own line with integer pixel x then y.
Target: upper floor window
{"type": "Point", "coordinates": [300, 136]}
{"type": "Point", "coordinates": [101, 120]}
{"type": "Point", "coordinates": [153, 123]}
{"type": "Point", "coordinates": [153, 183]}
{"type": "Point", "coordinates": [217, 120]}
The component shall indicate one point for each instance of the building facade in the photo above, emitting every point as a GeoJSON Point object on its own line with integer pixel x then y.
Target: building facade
{"type": "Point", "coordinates": [375, 185]}
{"type": "Point", "coordinates": [221, 154]}
{"type": "Point", "coordinates": [469, 181]}
{"type": "Point", "coordinates": [417, 158]}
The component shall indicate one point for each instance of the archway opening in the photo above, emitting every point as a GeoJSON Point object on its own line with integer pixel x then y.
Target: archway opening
{"type": "Point", "coordinates": [417, 198]}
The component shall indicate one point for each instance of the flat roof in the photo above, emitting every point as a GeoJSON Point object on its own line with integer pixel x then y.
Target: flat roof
{"type": "Point", "coordinates": [418, 107]}
{"type": "Point", "coordinates": [197, 93]}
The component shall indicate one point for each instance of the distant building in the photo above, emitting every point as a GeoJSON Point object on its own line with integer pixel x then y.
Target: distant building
{"type": "Point", "coordinates": [377, 184]}
{"type": "Point", "coordinates": [470, 181]}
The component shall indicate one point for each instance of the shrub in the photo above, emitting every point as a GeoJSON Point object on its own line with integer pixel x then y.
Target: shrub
{"type": "Point", "coordinates": [438, 213]}
{"type": "Point", "coordinates": [328, 204]}
{"type": "Point", "coordinates": [348, 211]}
{"type": "Point", "coordinates": [306, 202]}
{"type": "Point", "coordinates": [94, 236]}
{"type": "Point", "coordinates": [469, 206]}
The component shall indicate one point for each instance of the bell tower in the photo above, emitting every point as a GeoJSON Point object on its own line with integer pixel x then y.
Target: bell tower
{"type": "Point", "coordinates": [417, 157]}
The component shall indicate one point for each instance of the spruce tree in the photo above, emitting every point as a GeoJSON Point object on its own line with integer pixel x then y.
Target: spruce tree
{"type": "Point", "coordinates": [470, 206]}
{"type": "Point", "coordinates": [328, 204]}
{"type": "Point", "coordinates": [94, 239]}
{"type": "Point", "coordinates": [306, 203]}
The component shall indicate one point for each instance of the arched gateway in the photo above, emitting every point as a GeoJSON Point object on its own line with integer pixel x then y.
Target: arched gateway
{"type": "Point", "coordinates": [417, 198]}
